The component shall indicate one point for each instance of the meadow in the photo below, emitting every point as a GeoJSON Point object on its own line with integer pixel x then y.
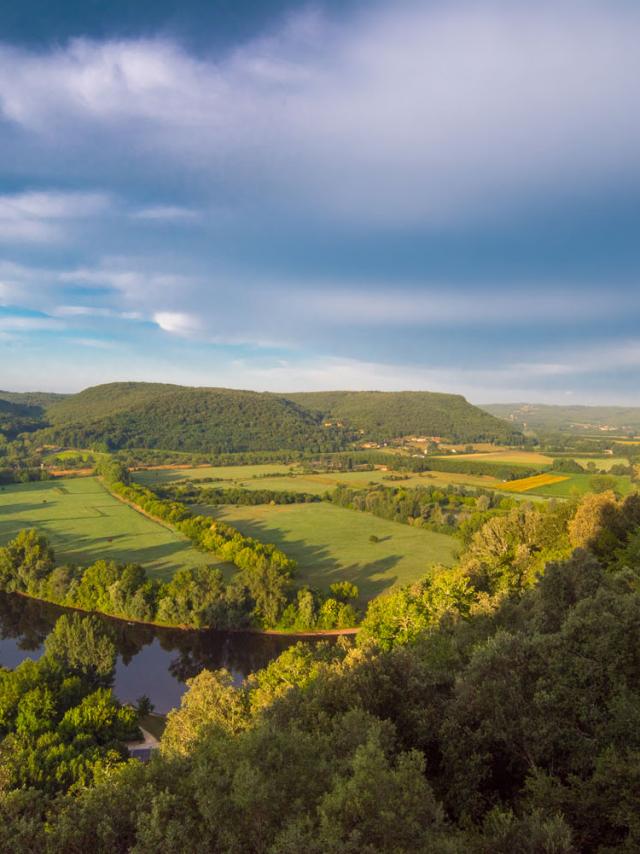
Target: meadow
{"type": "Point", "coordinates": [580, 484]}
{"type": "Point", "coordinates": [291, 479]}
{"type": "Point", "coordinates": [561, 485]}
{"type": "Point", "coordinates": [84, 523]}
{"type": "Point", "coordinates": [333, 544]}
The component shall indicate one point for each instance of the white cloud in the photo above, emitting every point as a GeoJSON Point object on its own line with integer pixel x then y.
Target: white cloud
{"type": "Point", "coordinates": [42, 217]}
{"type": "Point", "coordinates": [24, 323]}
{"type": "Point", "coordinates": [409, 113]}
{"type": "Point", "coordinates": [177, 322]}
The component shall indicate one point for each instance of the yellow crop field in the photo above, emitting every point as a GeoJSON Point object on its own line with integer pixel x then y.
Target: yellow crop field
{"type": "Point", "coordinates": [533, 458]}
{"type": "Point", "coordinates": [524, 484]}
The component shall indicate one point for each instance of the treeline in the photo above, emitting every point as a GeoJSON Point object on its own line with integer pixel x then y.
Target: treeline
{"type": "Point", "coordinates": [489, 708]}
{"type": "Point", "coordinates": [448, 510]}
{"type": "Point", "coordinates": [20, 461]}
{"type": "Point", "coordinates": [257, 596]}
{"type": "Point", "coordinates": [353, 460]}
{"type": "Point", "coordinates": [194, 494]}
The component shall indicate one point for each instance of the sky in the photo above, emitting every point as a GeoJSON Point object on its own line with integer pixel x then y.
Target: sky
{"type": "Point", "coordinates": [284, 196]}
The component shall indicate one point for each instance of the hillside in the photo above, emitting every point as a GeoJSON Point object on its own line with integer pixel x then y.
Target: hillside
{"type": "Point", "coordinates": [37, 399]}
{"type": "Point", "coordinates": [22, 413]}
{"type": "Point", "coordinates": [217, 420]}
{"type": "Point", "coordinates": [387, 415]}
{"type": "Point", "coordinates": [572, 419]}
{"type": "Point", "coordinates": [149, 415]}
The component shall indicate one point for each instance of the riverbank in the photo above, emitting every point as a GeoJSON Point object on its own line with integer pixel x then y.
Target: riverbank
{"type": "Point", "coordinates": [282, 633]}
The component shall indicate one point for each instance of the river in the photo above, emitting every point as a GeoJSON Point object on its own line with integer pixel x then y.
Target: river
{"type": "Point", "coordinates": [151, 661]}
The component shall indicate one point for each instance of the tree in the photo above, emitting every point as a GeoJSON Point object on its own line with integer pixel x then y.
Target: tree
{"type": "Point", "coordinates": [211, 700]}
{"type": "Point", "coordinates": [25, 562]}
{"type": "Point", "coordinates": [83, 646]}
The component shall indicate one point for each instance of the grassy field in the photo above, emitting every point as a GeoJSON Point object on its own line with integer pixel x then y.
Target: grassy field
{"type": "Point", "coordinates": [84, 523]}
{"type": "Point", "coordinates": [601, 463]}
{"type": "Point", "coordinates": [332, 544]}
{"type": "Point", "coordinates": [580, 484]}
{"type": "Point", "coordinates": [256, 477]}
{"type": "Point", "coordinates": [149, 477]}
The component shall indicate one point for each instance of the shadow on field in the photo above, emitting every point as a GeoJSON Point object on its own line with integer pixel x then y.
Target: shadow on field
{"type": "Point", "coordinates": [10, 509]}
{"type": "Point", "coordinates": [86, 550]}
{"type": "Point", "coordinates": [318, 567]}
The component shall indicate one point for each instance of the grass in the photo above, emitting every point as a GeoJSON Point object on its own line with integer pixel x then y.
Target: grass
{"type": "Point", "coordinates": [84, 523]}
{"type": "Point", "coordinates": [256, 477]}
{"type": "Point", "coordinates": [580, 484]}
{"type": "Point", "coordinates": [332, 544]}
{"type": "Point", "coordinates": [601, 463]}
{"type": "Point", "coordinates": [149, 477]}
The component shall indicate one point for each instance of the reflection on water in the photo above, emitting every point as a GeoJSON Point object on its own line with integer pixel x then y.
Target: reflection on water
{"type": "Point", "coordinates": [151, 661]}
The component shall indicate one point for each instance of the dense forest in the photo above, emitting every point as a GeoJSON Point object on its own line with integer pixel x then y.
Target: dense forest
{"type": "Point", "coordinates": [383, 415]}
{"type": "Point", "coordinates": [490, 709]}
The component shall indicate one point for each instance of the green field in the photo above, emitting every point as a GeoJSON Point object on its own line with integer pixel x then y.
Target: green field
{"type": "Point", "coordinates": [148, 477]}
{"type": "Point", "coordinates": [84, 523]}
{"type": "Point", "coordinates": [256, 477]}
{"type": "Point", "coordinates": [332, 544]}
{"type": "Point", "coordinates": [601, 463]}
{"type": "Point", "coordinates": [579, 484]}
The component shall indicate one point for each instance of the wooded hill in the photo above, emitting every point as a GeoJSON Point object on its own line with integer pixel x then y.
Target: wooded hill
{"type": "Point", "coordinates": [390, 414]}
{"type": "Point", "coordinates": [217, 420]}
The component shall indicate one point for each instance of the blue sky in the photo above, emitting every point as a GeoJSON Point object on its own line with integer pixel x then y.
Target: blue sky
{"type": "Point", "coordinates": [434, 195]}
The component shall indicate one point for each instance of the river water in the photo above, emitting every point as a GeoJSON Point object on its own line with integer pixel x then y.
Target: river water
{"type": "Point", "coordinates": [151, 661]}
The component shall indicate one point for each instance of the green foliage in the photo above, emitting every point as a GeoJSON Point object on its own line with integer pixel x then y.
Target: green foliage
{"type": "Point", "coordinates": [210, 420]}
{"type": "Point", "coordinates": [402, 616]}
{"type": "Point", "coordinates": [388, 415]}
{"type": "Point", "coordinates": [233, 495]}
{"type": "Point", "coordinates": [568, 465]}
{"type": "Point", "coordinates": [59, 724]}
{"type": "Point", "coordinates": [441, 509]}
{"type": "Point", "coordinates": [82, 647]}
{"type": "Point", "coordinates": [25, 562]}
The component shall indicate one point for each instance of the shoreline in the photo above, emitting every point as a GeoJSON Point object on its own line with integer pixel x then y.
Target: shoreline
{"type": "Point", "coordinates": [283, 633]}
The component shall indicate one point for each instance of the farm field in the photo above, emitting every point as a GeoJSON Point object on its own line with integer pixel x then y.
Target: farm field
{"type": "Point", "coordinates": [535, 482]}
{"type": "Point", "coordinates": [601, 463]}
{"type": "Point", "coordinates": [332, 544]}
{"type": "Point", "coordinates": [148, 477]}
{"type": "Point", "coordinates": [253, 477]}
{"type": "Point", "coordinates": [580, 484]}
{"type": "Point", "coordinates": [560, 485]}
{"type": "Point", "coordinates": [84, 523]}
{"type": "Point", "coordinates": [516, 458]}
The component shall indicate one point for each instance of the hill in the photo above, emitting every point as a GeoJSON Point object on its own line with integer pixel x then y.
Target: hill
{"type": "Point", "coordinates": [23, 412]}
{"type": "Point", "coordinates": [217, 420]}
{"type": "Point", "coordinates": [150, 415]}
{"type": "Point", "coordinates": [570, 419]}
{"type": "Point", "coordinates": [32, 399]}
{"type": "Point", "coordinates": [387, 415]}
